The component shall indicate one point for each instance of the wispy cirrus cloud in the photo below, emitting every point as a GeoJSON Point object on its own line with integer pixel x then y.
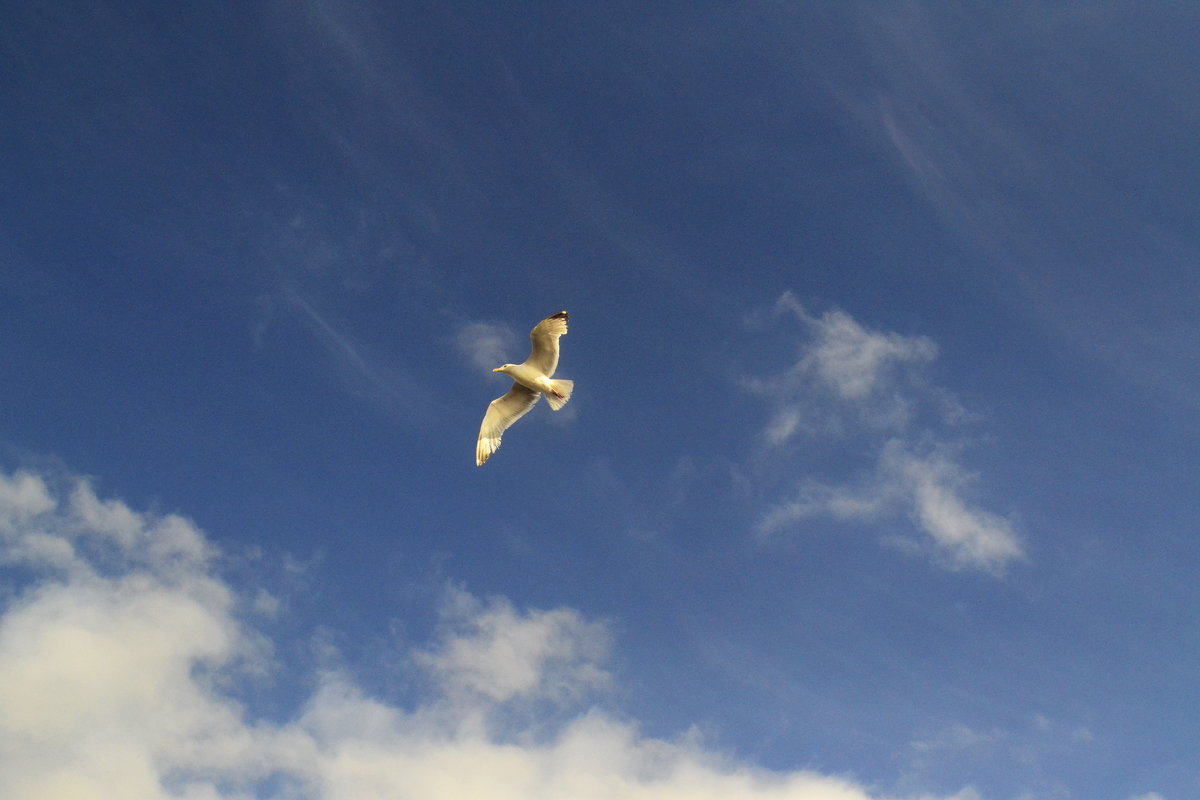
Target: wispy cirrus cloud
{"type": "Point", "coordinates": [842, 365]}
{"type": "Point", "coordinates": [929, 490]}
{"type": "Point", "coordinates": [959, 104]}
{"type": "Point", "coordinates": [363, 370]}
{"type": "Point", "coordinates": [486, 344]}
{"type": "Point", "coordinates": [1035, 744]}
{"type": "Point", "coordinates": [850, 379]}
{"type": "Point", "coordinates": [122, 649]}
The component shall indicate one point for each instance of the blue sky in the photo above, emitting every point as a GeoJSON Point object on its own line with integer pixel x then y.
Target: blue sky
{"type": "Point", "coordinates": [879, 476]}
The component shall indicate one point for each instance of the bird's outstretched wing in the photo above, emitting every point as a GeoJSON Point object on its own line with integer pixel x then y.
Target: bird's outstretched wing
{"type": "Point", "coordinates": [544, 337]}
{"type": "Point", "coordinates": [502, 412]}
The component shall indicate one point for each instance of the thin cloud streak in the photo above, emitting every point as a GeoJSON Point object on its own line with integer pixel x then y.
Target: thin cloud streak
{"type": "Point", "coordinates": [337, 343]}
{"type": "Point", "coordinates": [363, 373]}
{"type": "Point", "coordinates": [1026, 195]}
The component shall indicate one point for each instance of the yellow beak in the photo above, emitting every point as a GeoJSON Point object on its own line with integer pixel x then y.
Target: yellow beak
{"type": "Point", "coordinates": [498, 369]}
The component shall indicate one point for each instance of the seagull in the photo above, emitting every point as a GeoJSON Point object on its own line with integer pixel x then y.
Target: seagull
{"type": "Point", "coordinates": [531, 380]}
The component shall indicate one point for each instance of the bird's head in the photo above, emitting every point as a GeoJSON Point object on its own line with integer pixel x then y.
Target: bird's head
{"type": "Point", "coordinates": [503, 368]}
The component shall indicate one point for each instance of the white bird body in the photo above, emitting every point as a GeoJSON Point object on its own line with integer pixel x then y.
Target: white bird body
{"type": "Point", "coordinates": [528, 376]}
{"type": "Point", "coordinates": [531, 380]}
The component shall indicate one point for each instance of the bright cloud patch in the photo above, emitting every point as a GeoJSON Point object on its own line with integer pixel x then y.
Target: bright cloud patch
{"type": "Point", "coordinates": [853, 361]}
{"type": "Point", "coordinates": [486, 345]}
{"type": "Point", "coordinates": [844, 370]}
{"type": "Point", "coordinates": [972, 536]}
{"type": "Point", "coordinates": [117, 660]}
{"type": "Point", "coordinates": [501, 654]}
{"type": "Point", "coordinates": [849, 379]}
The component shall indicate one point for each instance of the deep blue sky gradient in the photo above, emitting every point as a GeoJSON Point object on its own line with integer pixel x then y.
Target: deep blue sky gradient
{"type": "Point", "coordinates": [238, 242]}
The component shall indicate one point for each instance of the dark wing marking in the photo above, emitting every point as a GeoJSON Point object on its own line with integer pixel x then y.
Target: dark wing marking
{"type": "Point", "coordinates": [544, 338]}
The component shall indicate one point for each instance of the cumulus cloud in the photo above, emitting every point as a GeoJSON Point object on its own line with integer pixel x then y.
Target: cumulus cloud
{"type": "Point", "coordinates": [105, 658]}
{"type": "Point", "coordinates": [22, 496]}
{"type": "Point", "coordinates": [498, 653]}
{"type": "Point", "coordinates": [120, 646]}
{"type": "Point", "coordinates": [849, 379]}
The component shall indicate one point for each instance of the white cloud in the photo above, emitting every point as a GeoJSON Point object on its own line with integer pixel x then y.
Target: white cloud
{"type": "Point", "coordinates": [929, 489]}
{"type": "Point", "coordinates": [500, 654]}
{"type": "Point", "coordinates": [850, 379]}
{"type": "Point", "coordinates": [23, 495]}
{"type": "Point", "coordinates": [118, 658]}
{"type": "Point", "coordinates": [102, 661]}
{"type": "Point", "coordinates": [843, 366]}
{"type": "Point", "coordinates": [850, 359]}
{"type": "Point", "coordinates": [970, 536]}
{"type": "Point", "coordinates": [848, 503]}
{"type": "Point", "coordinates": [486, 345]}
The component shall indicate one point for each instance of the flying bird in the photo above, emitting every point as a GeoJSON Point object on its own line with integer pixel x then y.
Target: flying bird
{"type": "Point", "coordinates": [531, 380]}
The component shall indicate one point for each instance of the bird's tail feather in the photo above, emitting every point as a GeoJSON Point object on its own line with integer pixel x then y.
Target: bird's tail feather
{"type": "Point", "coordinates": [560, 393]}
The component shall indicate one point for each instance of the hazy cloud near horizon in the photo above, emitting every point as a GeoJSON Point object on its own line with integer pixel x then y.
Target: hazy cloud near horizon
{"type": "Point", "coordinates": [120, 656]}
